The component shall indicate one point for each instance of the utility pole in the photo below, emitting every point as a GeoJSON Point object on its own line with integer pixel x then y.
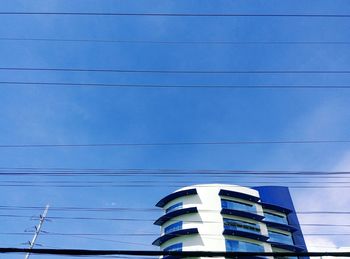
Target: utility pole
{"type": "Point", "coordinates": [37, 230]}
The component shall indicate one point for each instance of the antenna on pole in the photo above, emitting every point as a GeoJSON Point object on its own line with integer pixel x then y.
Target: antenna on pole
{"type": "Point", "coordinates": [37, 230]}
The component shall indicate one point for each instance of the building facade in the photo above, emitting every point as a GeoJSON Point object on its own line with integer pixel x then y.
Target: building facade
{"type": "Point", "coordinates": [216, 217]}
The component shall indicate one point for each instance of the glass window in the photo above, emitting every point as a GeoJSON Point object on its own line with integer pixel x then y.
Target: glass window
{"type": "Point", "coordinates": [234, 224]}
{"type": "Point", "coordinates": [280, 238]}
{"type": "Point", "coordinates": [236, 205]}
{"type": "Point", "coordinates": [241, 246]}
{"type": "Point", "coordinates": [176, 206]}
{"type": "Point", "coordinates": [174, 247]}
{"type": "Point", "coordinates": [173, 227]}
{"type": "Point", "coordinates": [275, 218]}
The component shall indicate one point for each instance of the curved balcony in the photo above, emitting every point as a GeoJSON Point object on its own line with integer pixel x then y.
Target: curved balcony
{"type": "Point", "coordinates": [275, 208]}
{"type": "Point", "coordinates": [174, 214]}
{"type": "Point", "coordinates": [291, 248]}
{"type": "Point", "coordinates": [239, 195]}
{"type": "Point", "coordinates": [243, 214]}
{"type": "Point", "coordinates": [280, 226]}
{"type": "Point", "coordinates": [245, 234]}
{"type": "Point", "coordinates": [175, 195]}
{"type": "Point", "coordinates": [183, 232]}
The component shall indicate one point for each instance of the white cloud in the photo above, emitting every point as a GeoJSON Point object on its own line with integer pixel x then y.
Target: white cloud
{"type": "Point", "coordinates": [326, 200]}
{"type": "Point", "coordinates": [323, 244]}
{"type": "Point", "coordinates": [323, 122]}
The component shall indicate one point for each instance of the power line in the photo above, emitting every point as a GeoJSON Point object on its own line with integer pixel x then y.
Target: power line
{"type": "Point", "coordinates": [160, 144]}
{"type": "Point", "coordinates": [159, 171]}
{"type": "Point", "coordinates": [15, 216]}
{"type": "Point", "coordinates": [163, 14]}
{"type": "Point", "coordinates": [127, 209]}
{"type": "Point", "coordinates": [159, 186]}
{"type": "Point", "coordinates": [109, 183]}
{"type": "Point", "coordinates": [79, 252]}
{"type": "Point", "coordinates": [111, 240]}
{"type": "Point", "coordinates": [157, 234]}
{"type": "Point", "coordinates": [108, 85]}
{"type": "Point", "coordinates": [169, 71]}
{"type": "Point", "coordinates": [171, 42]}
{"type": "Point", "coordinates": [210, 176]}
{"type": "Point", "coordinates": [195, 180]}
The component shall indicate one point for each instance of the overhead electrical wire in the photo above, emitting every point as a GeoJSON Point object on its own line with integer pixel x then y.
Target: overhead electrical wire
{"type": "Point", "coordinates": [157, 234]}
{"type": "Point", "coordinates": [153, 181]}
{"type": "Point", "coordinates": [111, 240]}
{"type": "Point", "coordinates": [194, 180]}
{"type": "Point", "coordinates": [181, 143]}
{"type": "Point", "coordinates": [107, 183]}
{"type": "Point", "coordinates": [133, 220]}
{"type": "Point", "coordinates": [237, 176]}
{"type": "Point", "coordinates": [185, 86]}
{"type": "Point", "coordinates": [16, 216]}
{"type": "Point", "coordinates": [166, 14]}
{"type": "Point", "coordinates": [171, 176]}
{"type": "Point", "coordinates": [127, 209]}
{"type": "Point", "coordinates": [159, 171]}
{"type": "Point", "coordinates": [172, 42]}
{"type": "Point", "coordinates": [159, 186]}
{"type": "Point", "coordinates": [172, 71]}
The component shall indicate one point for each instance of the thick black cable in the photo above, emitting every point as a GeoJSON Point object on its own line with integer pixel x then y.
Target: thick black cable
{"type": "Point", "coordinates": [165, 86]}
{"type": "Point", "coordinates": [170, 71]}
{"type": "Point", "coordinates": [163, 14]}
{"type": "Point", "coordinates": [78, 252]}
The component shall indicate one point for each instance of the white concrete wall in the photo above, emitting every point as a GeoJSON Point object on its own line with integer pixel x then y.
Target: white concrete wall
{"type": "Point", "coordinates": [209, 221]}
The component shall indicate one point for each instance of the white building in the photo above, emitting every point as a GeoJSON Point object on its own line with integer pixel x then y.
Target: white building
{"type": "Point", "coordinates": [215, 217]}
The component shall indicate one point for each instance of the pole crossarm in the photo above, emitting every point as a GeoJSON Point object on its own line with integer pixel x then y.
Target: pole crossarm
{"type": "Point", "coordinates": [37, 231]}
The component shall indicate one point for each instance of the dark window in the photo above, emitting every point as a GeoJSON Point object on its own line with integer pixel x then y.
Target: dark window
{"type": "Point", "coordinates": [236, 205]}
{"type": "Point", "coordinates": [241, 246]}
{"type": "Point", "coordinates": [176, 206]}
{"type": "Point", "coordinates": [275, 218]}
{"type": "Point", "coordinates": [280, 238]}
{"type": "Point", "coordinates": [173, 227]}
{"type": "Point", "coordinates": [234, 224]}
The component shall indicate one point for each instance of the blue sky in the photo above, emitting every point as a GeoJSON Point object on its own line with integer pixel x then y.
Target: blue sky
{"type": "Point", "coordinates": [54, 114]}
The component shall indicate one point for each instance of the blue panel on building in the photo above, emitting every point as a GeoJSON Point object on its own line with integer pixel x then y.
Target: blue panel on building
{"type": "Point", "coordinates": [279, 197]}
